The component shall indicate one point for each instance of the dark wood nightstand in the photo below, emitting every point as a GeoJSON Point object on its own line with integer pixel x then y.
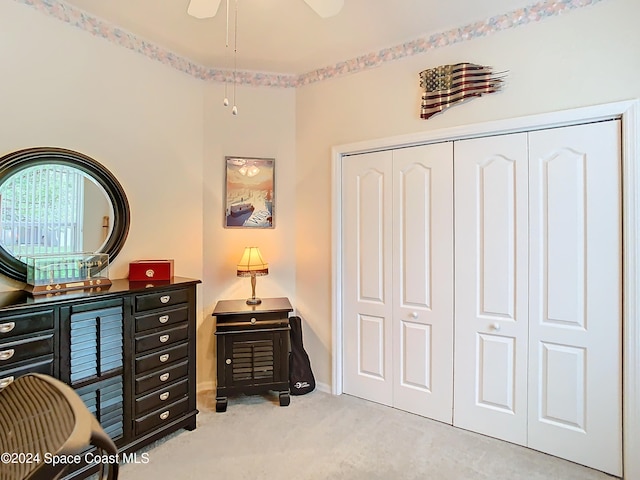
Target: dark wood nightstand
{"type": "Point", "coordinates": [252, 344]}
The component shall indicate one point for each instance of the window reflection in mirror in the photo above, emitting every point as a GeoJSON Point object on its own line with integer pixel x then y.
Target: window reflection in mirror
{"type": "Point", "coordinates": [53, 208]}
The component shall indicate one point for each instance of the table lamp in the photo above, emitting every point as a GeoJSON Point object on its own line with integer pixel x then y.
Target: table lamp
{"type": "Point", "coordinates": [252, 265]}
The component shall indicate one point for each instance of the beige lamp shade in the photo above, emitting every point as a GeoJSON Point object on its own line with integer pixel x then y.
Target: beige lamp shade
{"type": "Point", "coordinates": [252, 265]}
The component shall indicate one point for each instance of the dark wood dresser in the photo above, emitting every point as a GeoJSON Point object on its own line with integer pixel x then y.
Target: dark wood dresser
{"type": "Point", "coordinates": [128, 351]}
{"type": "Point", "coordinates": [252, 348]}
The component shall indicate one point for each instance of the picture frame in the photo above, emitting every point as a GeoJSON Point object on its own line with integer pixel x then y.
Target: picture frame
{"type": "Point", "coordinates": [249, 192]}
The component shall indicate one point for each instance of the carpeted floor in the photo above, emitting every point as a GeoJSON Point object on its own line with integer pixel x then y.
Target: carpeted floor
{"type": "Point", "coordinates": [321, 436]}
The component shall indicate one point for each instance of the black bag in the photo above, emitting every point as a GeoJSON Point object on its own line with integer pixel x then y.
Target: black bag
{"type": "Point", "coordinates": [301, 378]}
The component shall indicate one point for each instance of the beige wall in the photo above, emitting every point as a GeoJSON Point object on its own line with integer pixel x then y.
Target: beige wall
{"type": "Point", "coordinates": [585, 57]}
{"type": "Point", "coordinates": [264, 127]}
{"type": "Point", "coordinates": [143, 121]}
{"type": "Point", "coordinates": [164, 135]}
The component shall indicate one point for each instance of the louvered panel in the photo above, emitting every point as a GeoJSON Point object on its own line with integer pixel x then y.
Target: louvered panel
{"type": "Point", "coordinates": [96, 343]}
{"type": "Point", "coordinates": [105, 400]}
{"type": "Point", "coordinates": [84, 344]}
{"type": "Point", "coordinates": [111, 339]}
{"type": "Point", "coordinates": [253, 360]}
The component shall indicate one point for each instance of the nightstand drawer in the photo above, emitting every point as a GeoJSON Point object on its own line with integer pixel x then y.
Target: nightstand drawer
{"type": "Point", "coordinates": [161, 397]}
{"type": "Point", "coordinates": [162, 338]}
{"type": "Point", "coordinates": [14, 325]}
{"type": "Point", "coordinates": [152, 301]}
{"type": "Point", "coordinates": [161, 319]}
{"type": "Point", "coordinates": [162, 416]}
{"type": "Point", "coordinates": [163, 357]}
{"type": "Point", "coordinates": [249, 319]}
{"type": "Point", "coordinates": [161, 377]}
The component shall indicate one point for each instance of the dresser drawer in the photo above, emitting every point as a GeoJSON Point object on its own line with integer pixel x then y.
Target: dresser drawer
{"type": "Point", "coordinates": [162, 338]}
{"type": "Point", "coordinates": [161, 377]}
{"type": "Point", "coordinates": [12, 352]}
{"type": "Point", "coordinates": [38, 365]}
{"type": "Point", "coordinates": [163, 357]}
{"type": "Point", "coordinates": [161, 319]}
{"type": "Point", "coordinates": [164, 396]}
{"type": "Point", "coordinates": [150, 301]}
{"type": "Point", "coordinates": [14, 325]}
{"type": "Point", "coordinates": [162, 416]}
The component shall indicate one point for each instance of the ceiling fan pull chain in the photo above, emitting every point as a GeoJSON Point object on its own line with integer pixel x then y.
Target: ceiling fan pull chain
{"type": "Point", "coordinates": [234, 110]}
{"type": "Point", "coordinates": [225, 102]}
{"type": "Point", "coordinates": [227, 37]}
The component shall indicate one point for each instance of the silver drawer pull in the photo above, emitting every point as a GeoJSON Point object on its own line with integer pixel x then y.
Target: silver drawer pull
{"type": "Point", "coordinates": [164, 338]}
{"type": "Point", "coordinates": [164, 357]}
{"type": "Point", "coordinates": [164, 377]}
{"type": "Point", "coordinates": [7, 327]}
{"type": "Point", "coordinates": [164, 396]}
{"type": "Point", "coordinates": [7, 354]}
{"type": "Point", "coordinates": [163, 319]}
{"type": "Point", "coordinates": [5, 381]}
{"type": "Point", "coordinates": [165, 298]}
{"type": "Point", "coordinates": [164, 415]}
{"type": "Point", "coordinates": [253, 320]}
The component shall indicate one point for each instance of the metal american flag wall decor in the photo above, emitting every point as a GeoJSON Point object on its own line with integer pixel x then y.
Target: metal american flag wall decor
{"type": "Point", "coordinates": [447, 85]}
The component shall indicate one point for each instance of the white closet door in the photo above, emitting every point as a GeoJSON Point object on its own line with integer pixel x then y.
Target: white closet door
{"type": "Point", "coordinates": [491, 247]}
{"type": "Point", "coordinates": [367, 297]}
{"type": "Point", "coordinates": [575, 295]}
{"type": "Point", "coordinates": [423, 280]}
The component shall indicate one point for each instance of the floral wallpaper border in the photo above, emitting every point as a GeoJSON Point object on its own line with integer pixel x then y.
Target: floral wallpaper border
{"type": "Point", "coordinates": [515, 18]}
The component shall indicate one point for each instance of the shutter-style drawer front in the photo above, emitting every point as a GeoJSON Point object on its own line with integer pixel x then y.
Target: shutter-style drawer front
{"type": "Point", "coordinates": [161, 397]}
{"type": "Point", "coordinates": [161, 377]}
{"type": "Point", "coordinates": [163, 357]}
{"type": "Point", "coordinates": [162, 338]}
{"type": "Point", "coordinates": [14, 325]}
{"type": "Point", "coordinates": [161, 319]}
{"type": "Point", "coordinates": [38, 365]}
{"type": "Point", "coordinates": [167, 298]}
{"type": "Point", "coordinates": [161, 416]}
{"type": "Point", "coordinates": [13, 352]}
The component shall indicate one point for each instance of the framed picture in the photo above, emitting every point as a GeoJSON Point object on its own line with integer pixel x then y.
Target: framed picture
{"type": "Point", "coordinates": [249, 189]}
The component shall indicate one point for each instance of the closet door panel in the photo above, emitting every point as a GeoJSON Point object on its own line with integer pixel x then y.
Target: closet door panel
{"type": "Point", "coordinates": [366, 249]}
{"type": "Point", "coordinates": [491, 317]}
{"type": "Point", "coordinates": [423, 280]}
{"type": "Point", "coordinates": [575, 294]}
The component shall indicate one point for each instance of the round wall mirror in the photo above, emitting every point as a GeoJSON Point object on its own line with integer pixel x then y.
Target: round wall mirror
{"type": "Point", "coordinates": [57, 201]}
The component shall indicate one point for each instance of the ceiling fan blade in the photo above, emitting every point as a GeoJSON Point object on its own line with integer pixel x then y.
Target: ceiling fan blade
{"type": "Point", "coordinates": [203, 8]}
{"type": "Point", "coordinates": [325, 8]}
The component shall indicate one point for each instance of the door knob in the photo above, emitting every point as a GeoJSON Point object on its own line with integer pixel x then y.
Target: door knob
{"type": "Point", "coordinates": [413, 314]}
{"type": "Point", "coordinates": [496, 326]}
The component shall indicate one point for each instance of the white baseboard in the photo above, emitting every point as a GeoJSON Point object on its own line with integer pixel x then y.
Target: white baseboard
{"type": "Point", "coordinates": [323, 387]}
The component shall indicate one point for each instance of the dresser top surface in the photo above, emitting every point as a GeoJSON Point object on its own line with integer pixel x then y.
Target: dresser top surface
{"type": "Point", "coordinates": [268, 305]}
{"type": "Point", "coordinates": [20, 298]}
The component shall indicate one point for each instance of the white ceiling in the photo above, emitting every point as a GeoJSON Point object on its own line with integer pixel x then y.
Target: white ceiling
{"type": "Point", "coordinates": [286, 36]}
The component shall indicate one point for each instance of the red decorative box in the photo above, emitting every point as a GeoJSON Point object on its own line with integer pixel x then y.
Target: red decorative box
{"type": "Point", "coordinates": [142, 270]}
